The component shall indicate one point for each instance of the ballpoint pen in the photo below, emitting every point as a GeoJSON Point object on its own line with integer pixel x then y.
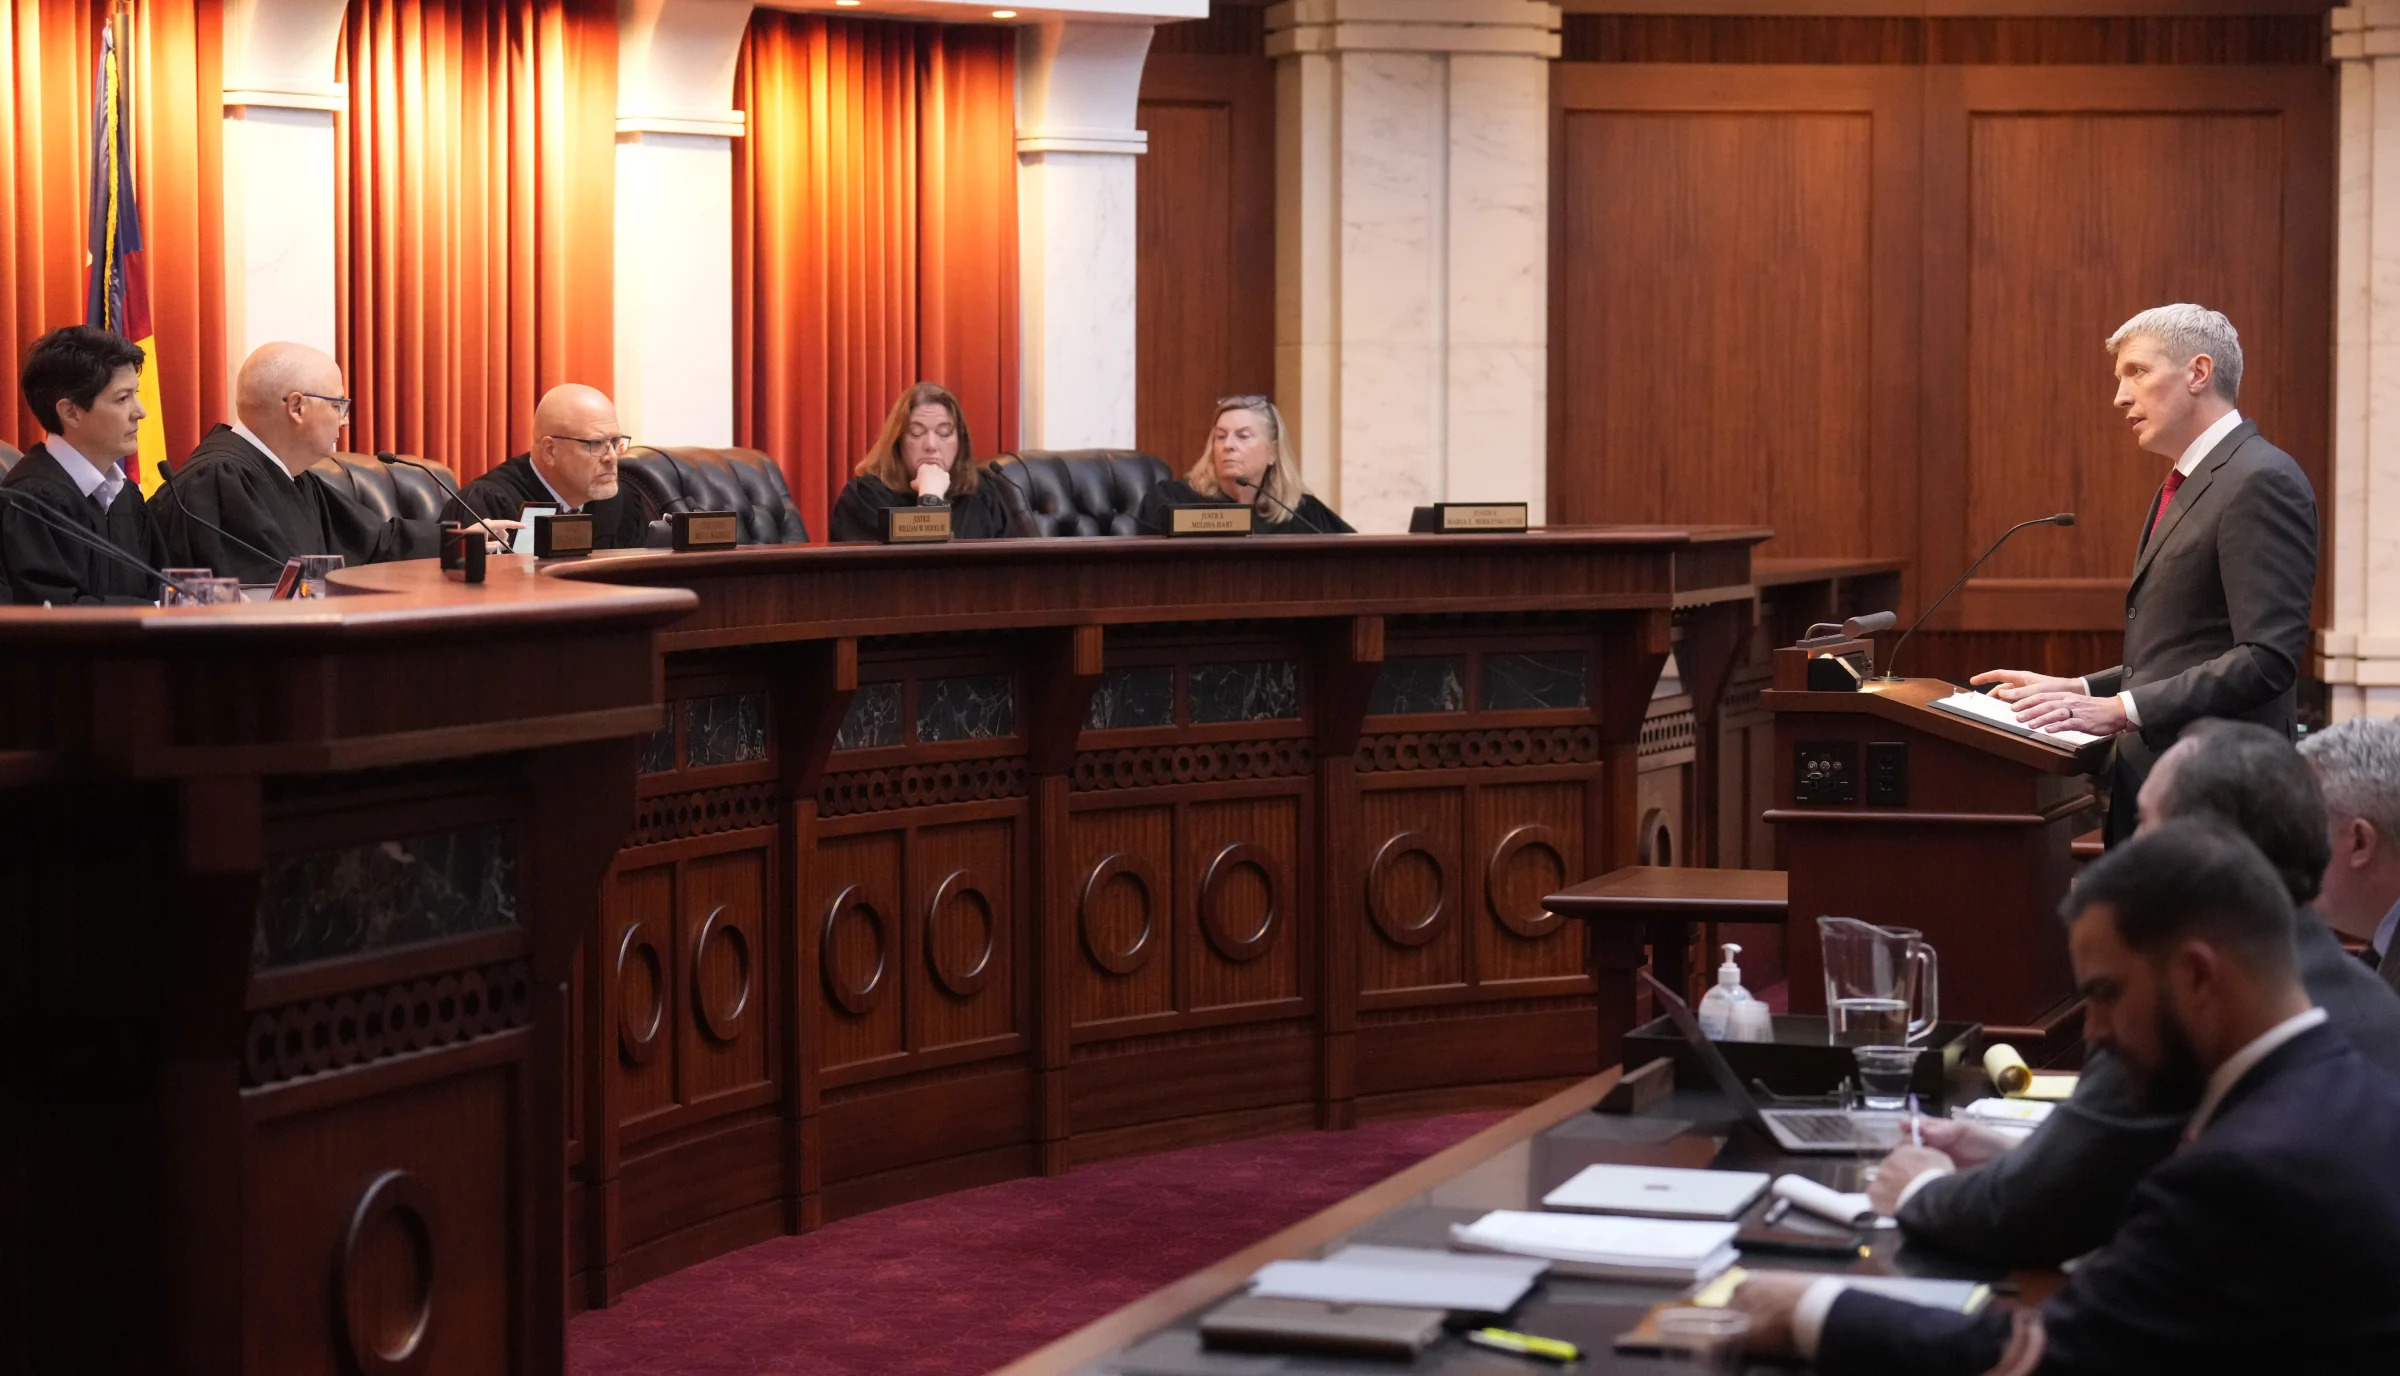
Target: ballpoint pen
{"type": "Point", "coordinates": [1916, 1134]}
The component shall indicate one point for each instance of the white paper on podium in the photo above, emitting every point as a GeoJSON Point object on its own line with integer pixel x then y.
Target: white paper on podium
{"type": "Point", "coordinates": [1988, 708]}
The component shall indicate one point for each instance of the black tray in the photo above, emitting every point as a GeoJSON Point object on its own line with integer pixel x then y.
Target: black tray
{"type": "Point", "coordinates": [1798, 1061]}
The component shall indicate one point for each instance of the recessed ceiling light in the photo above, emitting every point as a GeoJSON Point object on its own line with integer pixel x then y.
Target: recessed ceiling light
{"type": "Point", "coordinates": [1004, 14]}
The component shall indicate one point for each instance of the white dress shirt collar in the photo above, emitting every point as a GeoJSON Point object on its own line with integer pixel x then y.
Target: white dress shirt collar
{"type": "Point", "coordinates": [2384, 931]}
{"type": "Point", "coordinates": [89, 477]}
{"type": "Point", "coordinates": [2207, 441]}
{"type": "Point", "coordinates": [565, 507]}
{"type": "Point", "coordinates": [261, 446]}
{"type": "Point", "coordinates": [2242, 1062]}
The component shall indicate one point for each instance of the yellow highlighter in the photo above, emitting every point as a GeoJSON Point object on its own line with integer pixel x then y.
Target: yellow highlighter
{"type": "Point", "coordinates": [1524, 1344]}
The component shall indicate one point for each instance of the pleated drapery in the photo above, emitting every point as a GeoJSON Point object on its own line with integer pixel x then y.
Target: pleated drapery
{"type": "Point", "coordinates": [875, 242]}
{"type": "Point", "coordinates": [477, 168]}
{"type": "Point", "coordinates": [47, 56]}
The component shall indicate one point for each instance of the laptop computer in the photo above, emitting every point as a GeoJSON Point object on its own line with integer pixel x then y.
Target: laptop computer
{"type": "Point", "coordinates": [1800, 1131]}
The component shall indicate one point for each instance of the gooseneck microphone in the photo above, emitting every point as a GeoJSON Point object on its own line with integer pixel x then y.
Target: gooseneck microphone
{"type": "Point", "coordinates": [1024, 498]}
{"type": "Point", "coordinates": [2064, 518]}
{"type": "Point", "coordinates": [48, 515]}
{"type": "Point", "coordinates": [1269, 493]}
{"type": "Point", "coordinates": [436, 474]}
{"type": "Point", "coordinates": [166, 481]}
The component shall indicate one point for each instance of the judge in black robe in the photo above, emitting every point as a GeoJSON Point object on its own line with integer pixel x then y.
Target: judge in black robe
{"type": "Point", "coordinates": [1249, 461]}
{"type": "Point", "coordinates": [618, 522]}
{"type": "Point", "coordinates": [924, 450]}
{"type": "Point", "coordinates": [1308, 516]}
{"type": "Point", "coordinates": [250, 499]}
{"type": "Point", "coordinates": [45, 564]}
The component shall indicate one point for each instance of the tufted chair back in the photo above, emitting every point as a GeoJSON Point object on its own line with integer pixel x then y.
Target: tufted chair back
{"type": "Point", "coordinates": [388, 489]}
{"type": "Point", "coordinates": [743, 481]}
{"type": "Point", "coordinates": [1076, 491]}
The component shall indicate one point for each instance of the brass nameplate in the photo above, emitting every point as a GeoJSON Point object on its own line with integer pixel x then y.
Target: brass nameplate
{"type": "Point", "coordinates": [1213, 518]}
{"type": "Point", "coordinates": [1482, 517]}
{"type": "Point", "coordinates": [562, 536]}
{"type": "Point", "coordinates": [705, 529]}
{"type": "Point", "coordinates": [916, 525]}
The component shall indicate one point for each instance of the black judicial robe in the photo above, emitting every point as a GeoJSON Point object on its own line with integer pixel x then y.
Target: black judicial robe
{"type": "Point", "coordinates": [234, 484]}
{"type": "Point", "coordinates": [858, 518]}
{"type": "Point", "coordinates": [1311, 517]}
{"type": "Point", "coordinates": [45, 565]}
{"type": "Point", "coordinates": [618, 522]}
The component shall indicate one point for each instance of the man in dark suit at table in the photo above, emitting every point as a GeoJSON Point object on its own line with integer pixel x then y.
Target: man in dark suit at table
{"type": "Point", "coordinates": [85, 386]}
{"type": "Point", "coordinates": [2057, 1195]}
{"type": "Point", "coordinates": [572, 465]}
{"type": "Point", "coordinates": [2269, 1241]}
{"type": "Point", "coordinates": [2216, 617]}
{"type": "Point", "coordinates": [2358, 766]}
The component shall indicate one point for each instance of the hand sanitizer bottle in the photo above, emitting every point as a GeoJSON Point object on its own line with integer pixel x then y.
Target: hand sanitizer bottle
{"type": "Point", "coordinates": [1716, 1010]}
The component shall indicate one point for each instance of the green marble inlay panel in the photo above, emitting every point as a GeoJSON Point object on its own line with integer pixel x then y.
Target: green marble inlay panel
{"type": "Point", "coordinates": [1420, 683]}
{"type": "Point", "coordinates": [1266, 690]}
{"type": "Point", "coordinates": [967, 707]}
{"type": "Point", "coordinates": [873, 719]}
{"type": "Point", "coordinates": [389, 893]}
{"type": "Point", "coordinates": [1141, 696]}
{"type": "Point", "coordinates": [1519, 682]}
{"type": "Point", "coordinates": [728, 729]}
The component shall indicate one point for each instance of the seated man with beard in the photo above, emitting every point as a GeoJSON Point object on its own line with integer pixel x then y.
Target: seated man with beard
{"type": "Point", "coordinates": [572, 466]}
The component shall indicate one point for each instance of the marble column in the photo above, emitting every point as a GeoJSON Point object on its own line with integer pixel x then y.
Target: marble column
{"type": "Point", "coordinates": [2361, 642]}
{"type": "Point", "coordinates": [1078, 89]}
{"type": "Point", "coordinates": [281, 57]}
{"type": "Point", "coordinates": [674, 244]}
{"type": "Point", "coordinates": [1412, 245]}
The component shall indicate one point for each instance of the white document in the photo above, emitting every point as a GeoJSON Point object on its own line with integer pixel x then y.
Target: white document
{"type": "Point", "coordinates": [1409, 1287]}
{"type": "Point", "coordinates": [1828, 1203]}
{"type": "Point", "coordinates": [1661, 1250]}
{"type": "Point", "coordinates": [1658, 1192]}
{"type": "Point", "coordinates": [1985, 707]}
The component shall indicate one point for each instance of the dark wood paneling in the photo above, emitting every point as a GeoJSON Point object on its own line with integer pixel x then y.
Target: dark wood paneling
{"type": "Point", "coordinates": [1413, 871]}
{"type": "Point", "coordinates": [2296, 39]}
{"type": "Point", "coordinates": [963, 987]}
{"type": "Point", "coordinates": [1242, 874]}
{"type": "Point", "coordinates": [1233, 28]}
{"type": "Point", "coordinates": [1204, 241]}
{"type": "Point", "coordinates": [723, 959]}
{"type": "Point", "coordinates": [857, 919]}
{"type": "Point", "coordinates": [1122, 909]}
{"type": "Point", "coordinates": [638, 972]}
{"type": "Point", "coordinates": [1529, 844]}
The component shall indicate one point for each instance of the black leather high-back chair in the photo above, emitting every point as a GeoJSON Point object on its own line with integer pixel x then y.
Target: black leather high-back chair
{"type": "Point", "coordinates": [389, 489]}
{"type": "Point", "coordinates": [1077, 491]}
{"type": "Point", "coordinates": [743, 481]}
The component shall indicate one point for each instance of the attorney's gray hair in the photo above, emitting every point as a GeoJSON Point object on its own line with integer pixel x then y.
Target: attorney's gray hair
{"type": "Point", "coordinates": [2187, 331]}
{"type": "Point", "coordinates": [2358, 767]}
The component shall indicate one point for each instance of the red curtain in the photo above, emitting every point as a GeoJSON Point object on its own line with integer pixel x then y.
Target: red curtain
{"type": "Point", "coordinates": [875, 236]}
{"type": "Point", "coordinates": [48, 51]}
{"type": "Point", "coordinates": [477, 161]}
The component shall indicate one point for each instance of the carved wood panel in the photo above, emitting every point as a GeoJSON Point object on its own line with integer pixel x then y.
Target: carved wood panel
{"type": "Point", "coordinates": [722, 958]}
{"type": "Point", "coordinates": [964, 935]}
{"type": "Point", "coordinates": [856, 916]}
{"type": "Point", "coordinates": [637, 965]}
{"type": "Point", "coordinates": [1529, 843]}
{"type": "Point", "coordinates": [1414, 884]}
{"type": "Point", "coordinates": [1240, 885]}
{"type": "Point", "coordinates": [1121, 904]}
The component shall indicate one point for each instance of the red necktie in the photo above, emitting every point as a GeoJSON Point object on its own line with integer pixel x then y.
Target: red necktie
{"type": "Point", "coordinates": [2166, 498]}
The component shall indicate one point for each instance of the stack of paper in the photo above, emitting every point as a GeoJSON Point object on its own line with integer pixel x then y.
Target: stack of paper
{"type": "Point", "coordinates": [1656, 1250]}
{"type": "Point", "coordinates": [2017, 1116]}
{"type": "Point", "coordinates": [1658, 1192]}
{"type": "Point", "coordinates": [1405, 1276]}
{"type": "Point", "coordinates": [1988, 709]}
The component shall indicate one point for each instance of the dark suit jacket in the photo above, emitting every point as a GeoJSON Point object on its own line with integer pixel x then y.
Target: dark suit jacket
{"type": "Point", "coordinates": [44, 565]}
{"type": "Point", "coordinates": [2216, 618]}
{"type": "Point", "coordinates": [2271, 1243]}
{"type": "Point", "coordinates": [617, 522]}
{"type": "Point", "coordinates": [2060, 1193]}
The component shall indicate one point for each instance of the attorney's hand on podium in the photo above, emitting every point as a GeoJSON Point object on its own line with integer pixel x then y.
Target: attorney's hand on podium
{"type": "Point", "coordinates": [2045, 703]}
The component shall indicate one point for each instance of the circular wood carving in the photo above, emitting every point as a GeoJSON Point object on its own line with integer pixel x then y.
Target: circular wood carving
{"type": "Point", "coordinates": [721, 1022]}
{"type": "Point", "coordinates": [1655, 844]}
{"type": "Point", "coordinates": [959, 898]}
{"type": "Point", "coordinates": [860, 999]}
{"type": "Point", "coordinates": [384, 1281]}
{"type": "Point", "coordinates": [1517, 845]}
{"type": "Point", "coordinates": [1214, 901]}
{"type": "Point", "coordinates": [1113, 867]}
{"type": "Point", "coordinates": [1403, 929]}
{"type": "Point", "coordinates": [639, 1019]}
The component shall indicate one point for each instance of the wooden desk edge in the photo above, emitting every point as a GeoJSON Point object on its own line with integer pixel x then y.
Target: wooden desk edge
{"type": "Point", "coordinates": [1161, 1308]}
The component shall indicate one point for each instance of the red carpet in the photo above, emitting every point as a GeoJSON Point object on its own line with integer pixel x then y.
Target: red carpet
{"type": "Point", "coordinates": [960, 1284]}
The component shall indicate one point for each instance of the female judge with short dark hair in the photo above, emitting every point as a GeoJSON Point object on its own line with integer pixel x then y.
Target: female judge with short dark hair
{"type": "Point", "coordinates": [924, 457]}
{"type": "Point", "coordinates": [1249, 461]}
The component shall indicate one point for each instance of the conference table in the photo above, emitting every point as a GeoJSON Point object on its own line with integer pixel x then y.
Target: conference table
{"type": "Point", "coordinates": [1510, 1165]}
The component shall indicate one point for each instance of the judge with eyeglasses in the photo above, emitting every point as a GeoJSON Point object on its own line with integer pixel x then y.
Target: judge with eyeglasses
{"type": "Point", "coordinates": [572, 466]}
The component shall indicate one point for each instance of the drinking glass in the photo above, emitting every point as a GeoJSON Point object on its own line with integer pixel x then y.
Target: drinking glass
{"type": "Point", "coordinates": [1703, 1340]}
{"type": "Point", "coordinates": [169, 594]}
{"type": "Point", "coordinates": [1884, 1075]}
{"type": "Point", "coordinates": [314, 570]}
{"type": "Point", "coordinates": [217, 592]}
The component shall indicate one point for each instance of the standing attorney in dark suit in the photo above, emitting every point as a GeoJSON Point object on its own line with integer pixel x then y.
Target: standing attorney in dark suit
{"type": "Point", "coordinates": [572, 466]}
{"type": "Point", "coordinates": [85, 385]}
{"type": "Point", "coordinates": [2358, 766]}
{"type": "Point", "coordinates": [250, 479]}
{"type": "Point", "coordinates": [2058, 1194]}
{"type": "Point", "coordinates": [2269, 1241]}
{"type": "Point", "coordinates": [2216, 618]}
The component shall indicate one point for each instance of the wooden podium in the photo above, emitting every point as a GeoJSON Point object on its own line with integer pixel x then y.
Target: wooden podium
{"type": "Point", "coordinates": [1905, 815]}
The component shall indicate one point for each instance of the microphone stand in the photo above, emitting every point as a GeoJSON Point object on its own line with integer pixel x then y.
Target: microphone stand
{"type": "Point", "coordinates": [1024, 498]}
{"type": "Point", "coordinates": [166, 480]}
{"type": "Point", "coordinates": [1263, 490]}
{"type": "Point", "coordinates": [2064, 518]}
{"type": "Point", "coordinates": [436, 474]}
{"type": "Point", "coordinates": [51, 516]}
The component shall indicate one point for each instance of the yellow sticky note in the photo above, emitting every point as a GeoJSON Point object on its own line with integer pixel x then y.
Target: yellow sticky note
{"type": "Point", "coordinates": [1719, 1292]}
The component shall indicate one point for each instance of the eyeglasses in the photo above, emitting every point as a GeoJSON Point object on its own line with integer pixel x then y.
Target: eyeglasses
{"type": "Point", "coordinates": [340, 405]}
{"type": "Point", "coordinates": [604, 444]}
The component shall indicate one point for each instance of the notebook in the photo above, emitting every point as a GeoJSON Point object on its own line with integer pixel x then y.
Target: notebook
{"type": "Point", "coordinates": [1257, 1324]}
{"type": "Point", "coordinates": [1991, 711]}
{"type": "Point", "coordinates": [1607, 1247]}
{"type": "Point", "coordinates": [1404, 1276]}
{"type": "Point", "coordinates": [1658, 1192]}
